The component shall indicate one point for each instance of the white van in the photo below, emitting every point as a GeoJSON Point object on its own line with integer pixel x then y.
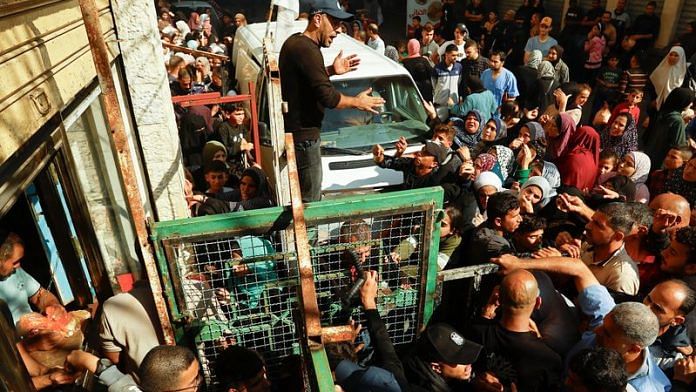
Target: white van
{"type": "Point", "coordinates": [347, 135]}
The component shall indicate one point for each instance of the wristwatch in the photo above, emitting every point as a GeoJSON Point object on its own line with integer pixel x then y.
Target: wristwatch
{"type": "Point", "coordinates": [102, 365]}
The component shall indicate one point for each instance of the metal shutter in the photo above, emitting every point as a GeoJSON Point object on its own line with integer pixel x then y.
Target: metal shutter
{"type": "Point", "coordinates": [504, 5]}
{"type": "Point", "coordinates": [553, 9]}
{"type": "Point", "coordinates": [688, 13]}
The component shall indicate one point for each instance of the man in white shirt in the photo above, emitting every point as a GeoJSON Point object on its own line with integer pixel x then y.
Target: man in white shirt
{"type": "Point", "coordinates": [375, 41]}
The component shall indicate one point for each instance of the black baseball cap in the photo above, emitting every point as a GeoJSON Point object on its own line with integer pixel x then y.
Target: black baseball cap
{"type": "Point", "coordinates": [442, 343]}
{"type": "Point", "coordinates": [436, 149]}
{"type": "Point", "coordinates": [330, 7]}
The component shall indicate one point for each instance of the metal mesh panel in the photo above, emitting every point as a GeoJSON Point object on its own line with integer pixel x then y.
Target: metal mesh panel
{"type": "Point", "coordinates": [391, 245]}
{"type": "Point", "coordinates": [239, 290]}
{"type": "Point", "coordinates": [225, 287]}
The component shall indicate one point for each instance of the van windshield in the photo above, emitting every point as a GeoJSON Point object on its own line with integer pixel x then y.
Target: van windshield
{"type": "Point", "coordinates": [402, 115]}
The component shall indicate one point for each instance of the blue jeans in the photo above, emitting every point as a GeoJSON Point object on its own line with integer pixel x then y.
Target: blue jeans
{"type": "Point", "coordinates": [308, 156]}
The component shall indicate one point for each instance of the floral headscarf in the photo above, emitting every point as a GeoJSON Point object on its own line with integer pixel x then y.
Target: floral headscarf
{"type": "Point", "coordinates": [505, 159]}
{"type": "Point", "coordinates": [627, 142]}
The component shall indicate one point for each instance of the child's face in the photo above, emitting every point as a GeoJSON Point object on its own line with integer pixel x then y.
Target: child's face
{"type": "Point", "coordinates": [627, 166]}
{"type": "Point", "coordinates": [613, 62]}
{"type": "Point", "coordinates": [215, 180]}
{"type": "Point", "coordinates": [634, 98]}
{"type": "Point", "coordinates": [529, 241]}
{"type": "Point", "coordinates": [606, 165]}
{"type": "Point", "coordinates": [673, 160]}
{"type": "Point", "coordinates": [237, 117]}
{"type": "Point", "coordinates": [634, 62]}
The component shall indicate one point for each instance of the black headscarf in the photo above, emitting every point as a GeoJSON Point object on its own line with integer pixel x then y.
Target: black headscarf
{"type": "Point", "coordinates": [677, 100]}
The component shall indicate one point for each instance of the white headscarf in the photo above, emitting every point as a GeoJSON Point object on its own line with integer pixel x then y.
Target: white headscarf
{"type": "Point", "coordinates": [488, 178]}
{"type": "Point", "coordinates": [183, 27]}
{"type": "Point", "coordinates": [667, 77]}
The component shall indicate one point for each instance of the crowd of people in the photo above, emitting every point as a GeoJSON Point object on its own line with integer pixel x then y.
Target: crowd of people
{"type": "Point", "coordinates": [567, 159]}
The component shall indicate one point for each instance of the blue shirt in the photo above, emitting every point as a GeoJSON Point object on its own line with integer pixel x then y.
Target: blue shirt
{"type": "Point", "coordinates": [505, 83]}
{"type": "Point", "coordinates": [596, 303]}
{"type": "Point", "coordinates": [16, 291]}
{"type": "Point", "coordinates": [372, 378]}
{"type": "Point", "coordinates": [535, 43]}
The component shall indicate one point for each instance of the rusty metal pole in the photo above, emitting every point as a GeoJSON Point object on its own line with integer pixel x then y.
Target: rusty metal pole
{"type": "Point", "coordinates": [119, 138]}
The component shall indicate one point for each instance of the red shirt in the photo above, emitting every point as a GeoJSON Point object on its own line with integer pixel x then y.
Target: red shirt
{"type": "Point", "coordinates": [623, 108]}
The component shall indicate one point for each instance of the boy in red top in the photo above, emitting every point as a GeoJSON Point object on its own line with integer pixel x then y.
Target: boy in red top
{"type": "Point", "coordinates": [630, 105]}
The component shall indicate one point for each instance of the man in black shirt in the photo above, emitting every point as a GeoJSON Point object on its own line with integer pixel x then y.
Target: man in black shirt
{"type": "Point", "coordinates": [646, 28]}
{"type": "Point", "coordinates": [512, 350]}
{"type": "Point", "coordinates": [308, 90]}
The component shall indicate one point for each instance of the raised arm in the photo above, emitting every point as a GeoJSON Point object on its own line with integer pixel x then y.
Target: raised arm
{"type": "Point", "coordinates": [575, 268]}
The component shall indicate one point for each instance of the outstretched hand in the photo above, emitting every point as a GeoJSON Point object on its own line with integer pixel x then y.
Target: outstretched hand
{"type": "Point", "coordinates": [346, 64]}
{"type": "Point", "coordinates": [366, 102]}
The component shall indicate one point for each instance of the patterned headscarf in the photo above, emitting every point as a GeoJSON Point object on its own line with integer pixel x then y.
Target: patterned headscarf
{"type": "Point", "coordinates": [627, 142]}
{"type": "Point", "coordinates": [505, 159]}
{"type": "Point", "coordinates": [463, 138]}
{"type": "Point", "coordinates": [535, 59]}
{"type": "Point", "coordinates": [485, 162]}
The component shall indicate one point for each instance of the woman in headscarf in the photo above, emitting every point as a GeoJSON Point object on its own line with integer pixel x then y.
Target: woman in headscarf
{"type": "Point", "coordinates": [203, 74]}
{"type": "Point", "coordinates": [527, 79]}
{"type": "Point", "coordinates": [530, 131]}
{"type": "Point", "coordinates": [669, 128]}
{"type": "Point", "coordinates": [547, 83]}
{"type": "Point", "coordinates": [254, 191]}
{"type": "Point", "coordinates": [621, 136]}
{"type": "Point", "coordinates": [636, 166]}
{"type": "Point", "coordinates": [533, 192]}
{"type": "Point", "coordinates": [183, 28]}
{"type": "Point", "coordinates": [487, 184]}
{"type": "Point", "coordinates": [470, 134]}
{"type": "Point", "coordinates": [479, 98]}
{"type": "Point", "coordinates": [494, 132]}
{"type": "Point", "coordinates": [669, 74]}
{"type": "Point", "coordinates": [574, 151]}
{"type": "Point", "coordinates": [420, 69]}
{"type": "Point", "coordinates": [356, 30]}
{"type": "Point", "coordinates": [550, 172]}
{"type": "Point", "coordinates": [391, 52]}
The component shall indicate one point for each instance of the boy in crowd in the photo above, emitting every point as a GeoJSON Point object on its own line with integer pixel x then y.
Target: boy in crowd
{"type": "Point", "coordinates": [676, 157]}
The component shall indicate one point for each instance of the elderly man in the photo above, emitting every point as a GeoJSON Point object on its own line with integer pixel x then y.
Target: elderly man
{"type": "Point", "coordinates": [671, 212]}
{"type": "Point", "coordinates": [671, 301]}
{"type": "Point", "coordinates": [629, 328]}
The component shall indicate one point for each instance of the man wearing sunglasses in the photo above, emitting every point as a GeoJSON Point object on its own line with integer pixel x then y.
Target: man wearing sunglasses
{"type": "Point", "coordinates": [308, 90]}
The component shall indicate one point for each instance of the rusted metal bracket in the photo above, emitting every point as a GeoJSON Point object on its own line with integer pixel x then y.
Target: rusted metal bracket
{"type": "Point", "coordinates": [100, 55]}
{"type": "Point", "coordinates": [308, 292]}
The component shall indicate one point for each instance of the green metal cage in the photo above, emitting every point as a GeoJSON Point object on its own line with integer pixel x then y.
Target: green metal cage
{"type": "Point", "coordinates": [234, 278]}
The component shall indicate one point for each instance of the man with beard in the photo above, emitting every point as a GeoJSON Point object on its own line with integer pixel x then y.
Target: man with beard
{"type": "Point", "coordinates": [308, 90]}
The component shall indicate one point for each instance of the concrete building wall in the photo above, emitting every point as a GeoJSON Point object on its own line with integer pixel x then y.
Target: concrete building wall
{"type": "Point", "coordinates": [148, 88]}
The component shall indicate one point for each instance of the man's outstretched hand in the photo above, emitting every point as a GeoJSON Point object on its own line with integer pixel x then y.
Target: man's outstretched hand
{"type": "Point", "coordinates": [342, 64]}
{"type": "Point", "coordinates": [366, 102]}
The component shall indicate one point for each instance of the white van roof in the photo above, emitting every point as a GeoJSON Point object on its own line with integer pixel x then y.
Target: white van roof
{"type": "Point", "coordinates": [252, 35]}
